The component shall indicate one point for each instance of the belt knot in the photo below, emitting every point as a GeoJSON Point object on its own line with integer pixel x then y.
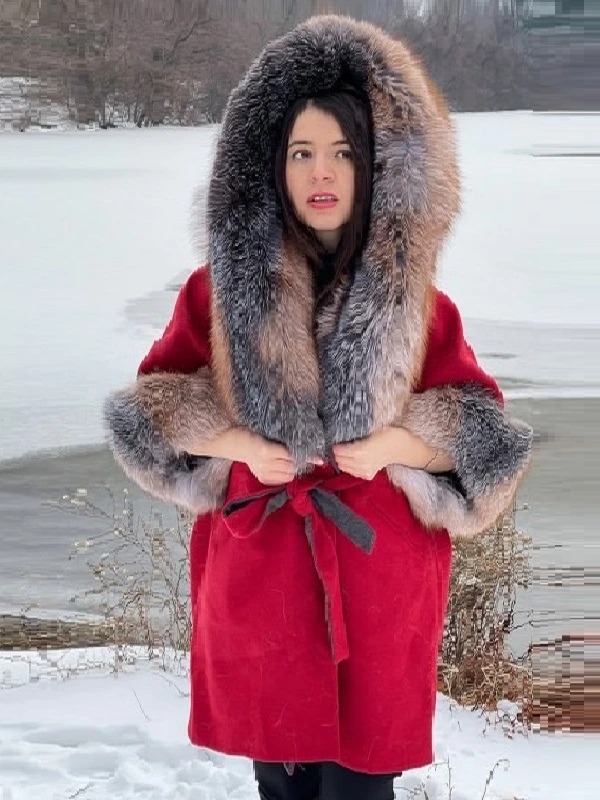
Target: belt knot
{"type": "Point", "coordinates": [314, 498]}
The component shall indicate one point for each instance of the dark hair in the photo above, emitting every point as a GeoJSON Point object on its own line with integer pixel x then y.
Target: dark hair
{"type": "Point", "coordinates": [353, 114]}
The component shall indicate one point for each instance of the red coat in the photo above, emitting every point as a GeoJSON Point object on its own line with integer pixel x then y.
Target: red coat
{"type": "Point", "coordinates": [263, 681]}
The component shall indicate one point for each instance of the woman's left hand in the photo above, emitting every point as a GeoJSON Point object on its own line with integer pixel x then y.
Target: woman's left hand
{"type": "Point", "coordinates": [365, 457]}
{"type": "Point", "coordinates": [389, 445]}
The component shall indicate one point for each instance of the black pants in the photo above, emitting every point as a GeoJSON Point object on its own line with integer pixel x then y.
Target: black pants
{"type": "Point", "coordinates": [323, 781]}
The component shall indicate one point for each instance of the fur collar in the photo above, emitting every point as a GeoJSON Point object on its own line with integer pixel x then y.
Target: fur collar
{"type": "Point", "coordinates": [274, 375]}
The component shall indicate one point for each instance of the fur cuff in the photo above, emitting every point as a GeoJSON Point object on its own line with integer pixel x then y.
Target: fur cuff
{"type": "Point", "coordinates": [491, 453]}
{"type": "Point", "coordinates": [148, 425]}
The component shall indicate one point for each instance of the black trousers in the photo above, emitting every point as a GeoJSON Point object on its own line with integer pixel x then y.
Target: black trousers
{"type": "Point", "coordinates": [323, 781]}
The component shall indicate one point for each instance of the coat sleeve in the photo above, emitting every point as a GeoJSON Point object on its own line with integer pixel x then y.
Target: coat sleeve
{"type": "Point", "coordinates": [458, 408]}
{"type": "Point", "coordinates": [172, 402]}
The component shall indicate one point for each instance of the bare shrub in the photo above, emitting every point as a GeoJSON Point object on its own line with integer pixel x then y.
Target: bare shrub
{"type": "Point", "coordinates": [141, 574]}
{"type": "Point", "coordinates": [141, 571]}
{"type": "Point", "coordinates": [476, 667]}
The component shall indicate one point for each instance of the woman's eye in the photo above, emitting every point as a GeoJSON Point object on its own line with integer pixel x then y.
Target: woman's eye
{"type": "Point", "coordinates": [344, 154]}
{"type": "Point", "coordinates": [301, 154]}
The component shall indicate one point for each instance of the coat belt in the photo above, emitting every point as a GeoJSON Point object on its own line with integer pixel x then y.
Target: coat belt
{"type": "Point", "coordinates": [314, 498]}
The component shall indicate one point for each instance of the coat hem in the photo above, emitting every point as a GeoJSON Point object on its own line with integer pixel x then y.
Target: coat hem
{"type": "Point", "coordinates": [384, 767]}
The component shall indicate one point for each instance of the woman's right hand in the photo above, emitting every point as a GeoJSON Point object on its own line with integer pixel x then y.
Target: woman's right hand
{"type": "Point", "coordinates": [271, 463]}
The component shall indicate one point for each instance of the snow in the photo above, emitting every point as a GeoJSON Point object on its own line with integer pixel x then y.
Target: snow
{"type": "Point", "coordinates": [96, 231]}
{"type": "Point", "coordinates": [71, 725]}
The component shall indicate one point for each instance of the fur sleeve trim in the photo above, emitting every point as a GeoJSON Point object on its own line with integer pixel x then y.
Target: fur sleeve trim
{"type": "Point", "coordinates": [148, 424]}
{"type": "Point", "coordinates": [491, 452]}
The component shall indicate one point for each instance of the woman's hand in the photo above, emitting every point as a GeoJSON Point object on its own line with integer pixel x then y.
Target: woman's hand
{"type": "Point", "coordinates": [389, 445]}
{"type": "Point", "coordinates": [268, 461]}
{"type": "Point", "coordinates": [364, 457]}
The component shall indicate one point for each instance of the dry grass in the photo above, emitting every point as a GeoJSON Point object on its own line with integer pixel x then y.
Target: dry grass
{"type": "Point", "coordinates": [476, 668]}
{"type": "Point", "coordinates": [566, 684]}
{"type": "Point", "coordinates": [141, 575]}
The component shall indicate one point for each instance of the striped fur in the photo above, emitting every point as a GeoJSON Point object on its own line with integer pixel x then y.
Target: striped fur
{"type": "Point", "coordinates": [369, 355]}
{"type": "Point", "coordinates": [490, 451]}
{"type": "Point", "coordinates": [148, 424]}
{"type": "Point", "coordinates": [269, 372]}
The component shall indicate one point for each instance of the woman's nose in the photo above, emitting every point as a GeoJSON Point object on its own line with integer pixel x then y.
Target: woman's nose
{"type": "Point", "coordinates": [322, 169]}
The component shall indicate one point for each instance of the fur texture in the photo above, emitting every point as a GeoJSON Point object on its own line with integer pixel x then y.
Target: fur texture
{"type": "Point", "coordinates": [148, 424]}
{"type": "Point", "coordinates": [269, 372]}
{"type": "Point", "coordinates": [490, 452]}
{"type": "Point", "coordinates": [371, 342]}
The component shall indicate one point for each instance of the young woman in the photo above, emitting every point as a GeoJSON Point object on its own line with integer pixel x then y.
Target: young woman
{"type": "Point", "coordinates": [314, 402]}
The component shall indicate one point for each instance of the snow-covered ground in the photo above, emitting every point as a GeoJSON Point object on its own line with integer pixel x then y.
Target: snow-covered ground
{"type": "Point", "coordinates": [30, 102]}
{"type": "Point", "coordinates": [70, 727]}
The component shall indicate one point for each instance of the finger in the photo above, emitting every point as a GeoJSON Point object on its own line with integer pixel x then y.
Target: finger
{"type": "Point", "coordinates": [345, 451]}
{"type": "Point", "coordinates": [274, 480]}
{"type": "Point", "coordinates": [280, 453]}
{"type": "Point", "coordinates": [345, 461]}
{"type": "Point", "coordinates": [266, 481]}
{"type": "Point", "coordinates": [282, 475]}
{"type": "Point", "coordinates": [357, 470]}
{"type": "Point", "coordinates": [277, 458]}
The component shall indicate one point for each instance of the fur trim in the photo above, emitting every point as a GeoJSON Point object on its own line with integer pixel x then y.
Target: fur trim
{"type": "Point", "coordinates": [150, 425]}
{"type": "Point", "coordinates": [491, 453]}
{"type": "Point", "coordinates": [270, 372]}
{"type": "Point", "coordinates": [369, 356]}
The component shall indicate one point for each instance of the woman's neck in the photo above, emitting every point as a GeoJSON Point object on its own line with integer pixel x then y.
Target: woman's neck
{"type": "Point", "coordinates": [329, 239]}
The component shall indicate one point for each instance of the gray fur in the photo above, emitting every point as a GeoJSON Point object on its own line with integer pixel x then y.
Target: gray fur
{"type": "Point", "coordinates": [489, 448]}
{"type": "Point", "coordinates": [133, 437]}
{"type": "Point", "coordinates": [197, 483]}
{"type": "Point", "coordinates": [245, 242]}
{"type": "Point", "coordinates": [490, 451]}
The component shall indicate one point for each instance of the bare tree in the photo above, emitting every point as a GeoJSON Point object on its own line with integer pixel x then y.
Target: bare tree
{"type": "Point", "coordinates": [156, 61]}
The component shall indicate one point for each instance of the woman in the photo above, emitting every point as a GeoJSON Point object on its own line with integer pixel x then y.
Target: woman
{"type": "Point", "coordinates": [314, 402]}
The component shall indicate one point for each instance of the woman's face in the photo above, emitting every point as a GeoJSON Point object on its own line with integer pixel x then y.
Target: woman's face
{"type": "Point", "coordinates": [319, 174]}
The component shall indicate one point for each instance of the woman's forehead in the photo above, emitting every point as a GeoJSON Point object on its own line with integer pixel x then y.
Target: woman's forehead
{"type": "Point", "coordinates": [313, 125]}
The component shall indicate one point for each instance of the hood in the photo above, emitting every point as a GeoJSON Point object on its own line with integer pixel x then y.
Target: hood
{"type": "Point", "coordinates": [274, 374]}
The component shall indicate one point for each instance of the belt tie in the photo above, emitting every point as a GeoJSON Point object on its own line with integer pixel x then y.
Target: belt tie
{"type": "Point", "coordinates": [314, 498]}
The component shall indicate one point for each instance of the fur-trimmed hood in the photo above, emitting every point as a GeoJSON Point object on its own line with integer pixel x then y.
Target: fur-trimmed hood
{"type": "Point", "coordinates": [274, 377]}
{"type": "Point", "coordinates": [386, 349]}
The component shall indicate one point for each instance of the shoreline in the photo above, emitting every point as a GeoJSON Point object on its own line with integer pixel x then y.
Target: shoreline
{"type": "Point", "coordinates": [557, 505]}
{"type": "Point", "coordinates": [510, 387]}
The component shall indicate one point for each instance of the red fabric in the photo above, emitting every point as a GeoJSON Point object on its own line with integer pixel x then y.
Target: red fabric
{"type": "Point", "coordinates": [185, 343]}
{"type": "Point", "coordinates": [265, 682]}
{"type": "Point", "coordinates": [449, 357]}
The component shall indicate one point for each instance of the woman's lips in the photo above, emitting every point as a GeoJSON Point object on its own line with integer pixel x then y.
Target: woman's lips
{"type": "Point", "coordinates": [322, 201]}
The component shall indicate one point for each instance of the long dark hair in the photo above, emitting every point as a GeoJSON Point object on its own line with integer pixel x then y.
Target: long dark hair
{"type": "Point", "coordinates": [353, 114]}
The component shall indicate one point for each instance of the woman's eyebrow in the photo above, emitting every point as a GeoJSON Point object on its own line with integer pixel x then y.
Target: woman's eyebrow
{"type": "Point", "coordinates": [305, 141]}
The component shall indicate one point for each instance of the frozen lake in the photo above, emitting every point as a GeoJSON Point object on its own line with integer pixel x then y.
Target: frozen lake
{"type": "Point", "coordinates": [95, 226]}
{"type": "Point", "coordinates": [88, 220]}
{"type": "Point", "coordinates": [96, 236]}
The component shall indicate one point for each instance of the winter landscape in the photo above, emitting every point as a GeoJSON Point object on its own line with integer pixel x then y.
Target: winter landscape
{"type": "Point", "coordinates": [97, 234]}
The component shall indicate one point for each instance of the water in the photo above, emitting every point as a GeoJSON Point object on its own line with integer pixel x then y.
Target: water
{"type": "Point", "coordinates": [96, 225]}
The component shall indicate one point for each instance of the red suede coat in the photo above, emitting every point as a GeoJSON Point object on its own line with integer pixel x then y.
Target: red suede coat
{"type": "Point", "coordinates": [277, 673]}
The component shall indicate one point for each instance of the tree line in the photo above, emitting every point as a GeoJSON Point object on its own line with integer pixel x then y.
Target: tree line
{"type": "Point", "coordinates": [151, 62]}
